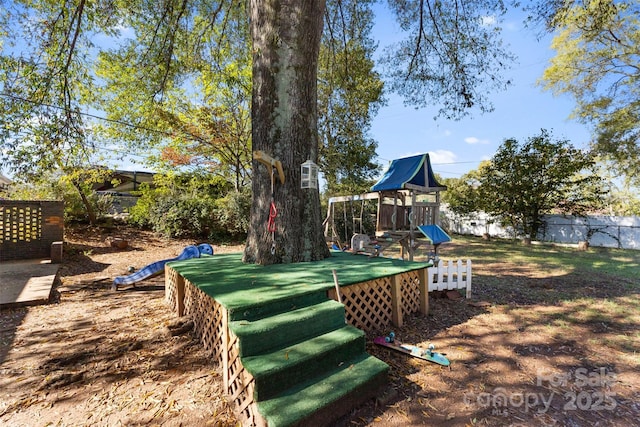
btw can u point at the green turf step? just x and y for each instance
(320, 400)
(270, 333)
(276, 371)
(258, 309)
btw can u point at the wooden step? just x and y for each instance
(274, 332)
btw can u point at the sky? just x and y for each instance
(456, 147)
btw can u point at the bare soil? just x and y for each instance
(520, 354)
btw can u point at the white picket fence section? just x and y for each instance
(450, 275)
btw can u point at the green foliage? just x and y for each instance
(192, 205)
(183, 216)
(596, 62)
(462, 193)
(350, 92)
(194, 110)
(524, 181)
(232, 214)
(55, 186)
(140, 213)
(45, 83)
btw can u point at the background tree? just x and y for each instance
(350, 92)
(451, 56)
(44, 85)
(524, 181)
(184, 79)
(623, 197)
(462, 195)
(597, 62)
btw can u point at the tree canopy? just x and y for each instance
(525, 180)
(597, 62)
(350, 92)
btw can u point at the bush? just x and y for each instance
(192, 206)
(140, 213)
(183, 216)
(232, 214)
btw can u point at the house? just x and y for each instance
(4, 184)
(128, 181)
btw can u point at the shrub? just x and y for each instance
(183, 216)
(232, 214)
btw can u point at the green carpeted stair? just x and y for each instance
(261, 335)
(309, 366)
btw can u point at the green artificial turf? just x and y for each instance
(238, 286)
(292, 326)
(299, 404)
(279, 370)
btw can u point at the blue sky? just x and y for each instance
(457, 147)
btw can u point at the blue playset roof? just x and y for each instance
(415, 170)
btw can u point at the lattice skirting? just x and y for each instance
(171, 278)
(210, 320)
(377, 303)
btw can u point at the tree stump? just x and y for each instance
(583, 245)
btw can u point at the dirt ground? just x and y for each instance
(100, 358)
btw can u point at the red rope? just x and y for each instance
(273, 213)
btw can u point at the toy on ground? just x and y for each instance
(157, 267)
(425, 354)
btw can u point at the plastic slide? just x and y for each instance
(157, 267)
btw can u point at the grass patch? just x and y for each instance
(508, 272)
(622, 263)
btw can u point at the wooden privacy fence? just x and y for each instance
(450, 275)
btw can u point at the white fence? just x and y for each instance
(602, 230)
(451, 275)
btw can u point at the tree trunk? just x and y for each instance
(286, 41)
(91, 213)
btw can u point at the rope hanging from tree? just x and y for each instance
(274, 166)
(273, 213)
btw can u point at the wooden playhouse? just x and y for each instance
(407, 213)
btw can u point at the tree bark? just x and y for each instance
(91, 213)
(286, 40)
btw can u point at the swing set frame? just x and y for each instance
(398, 215)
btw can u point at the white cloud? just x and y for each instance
(488, 21)
(442, 156)
(473, 140)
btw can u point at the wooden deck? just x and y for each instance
(26, 282)
(220, 292)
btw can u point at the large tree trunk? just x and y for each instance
(286, 41)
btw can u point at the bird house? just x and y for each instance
(309, 175)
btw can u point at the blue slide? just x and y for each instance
(158, 266)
